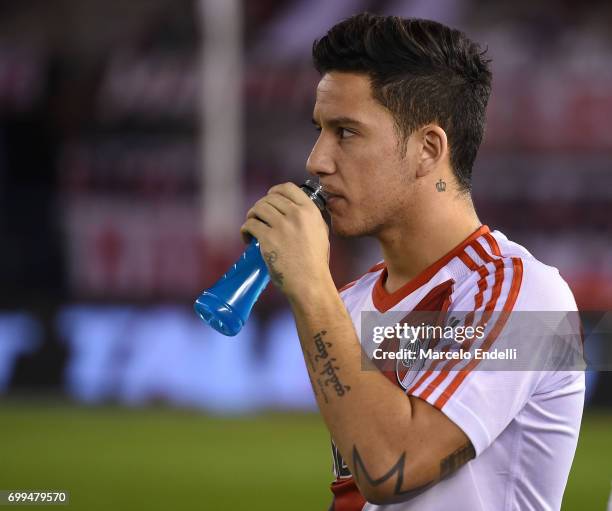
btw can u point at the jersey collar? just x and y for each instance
(384, 301)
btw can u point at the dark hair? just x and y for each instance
(422, 72)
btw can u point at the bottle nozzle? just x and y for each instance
(315, 191)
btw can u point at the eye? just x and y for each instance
(345, 133)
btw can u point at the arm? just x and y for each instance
(395, 445)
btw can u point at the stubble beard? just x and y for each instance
(355, 229)
(372, 223)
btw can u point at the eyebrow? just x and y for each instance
(334, 122)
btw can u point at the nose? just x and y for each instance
(320, 161)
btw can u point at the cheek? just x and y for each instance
(375, 152)
(372, 171)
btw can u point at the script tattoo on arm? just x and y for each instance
(311, 376)
(275, 276)
(448, 465)
(328, 376)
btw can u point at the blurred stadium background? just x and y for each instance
(133, 138)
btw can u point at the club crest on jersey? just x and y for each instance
(407, 368)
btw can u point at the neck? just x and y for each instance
(409, 247)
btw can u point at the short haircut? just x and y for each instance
(422, 72)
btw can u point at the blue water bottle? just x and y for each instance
(227, 305)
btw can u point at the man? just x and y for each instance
(400, 108)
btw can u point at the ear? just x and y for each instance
(434, 149)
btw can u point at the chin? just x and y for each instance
(347, 230)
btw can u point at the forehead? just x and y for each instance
(345, 94)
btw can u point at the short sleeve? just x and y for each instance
(481, 400)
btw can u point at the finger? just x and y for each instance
(265, 212)
(253, 228)
(292, 192)
(280, 202)
(246, 237)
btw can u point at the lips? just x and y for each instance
(332, 201)
(332, 193)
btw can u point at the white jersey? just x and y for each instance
(523, 424)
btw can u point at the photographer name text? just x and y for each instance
(431, 354)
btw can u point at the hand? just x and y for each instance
(293, 238)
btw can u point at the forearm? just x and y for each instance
(363, 410)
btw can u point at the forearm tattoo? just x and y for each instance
(323, 368)
(448, 465)
(315, 383)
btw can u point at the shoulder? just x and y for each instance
(543, 289)
(542, 286)
(511, 278)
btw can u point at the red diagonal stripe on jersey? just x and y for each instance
(482, 286)
(517, 266)
(497, 287)
(428, 373)
(499, 271)
(437, 302)
(482, 253)
(492, 243)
